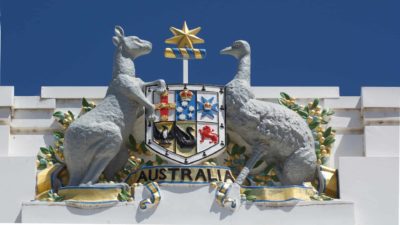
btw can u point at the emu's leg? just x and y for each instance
(117, 163)
(299, 167)
(255, 156)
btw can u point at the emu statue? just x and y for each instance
(96, 141)
(276, 134)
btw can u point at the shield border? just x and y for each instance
(198, 157)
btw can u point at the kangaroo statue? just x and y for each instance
(96, 141)
(276, 134)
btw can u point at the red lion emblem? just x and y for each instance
(207, 133)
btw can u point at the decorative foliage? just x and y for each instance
(125, 196)
(249, 196)
(54, 197)
(317, 119)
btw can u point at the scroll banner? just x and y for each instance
(155, 196)
(92, 196)
(181, 174)
(151, 176)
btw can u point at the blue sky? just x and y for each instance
(294, 43)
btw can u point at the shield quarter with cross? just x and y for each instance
(190, 123)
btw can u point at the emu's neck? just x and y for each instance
(122, 65)
(243, 71)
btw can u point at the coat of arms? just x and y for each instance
(190, 123)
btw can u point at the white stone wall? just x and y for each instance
(367, 137)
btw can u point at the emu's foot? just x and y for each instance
(228, 195)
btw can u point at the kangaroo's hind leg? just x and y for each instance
(117, 163)
(105, 150)
(299, 167)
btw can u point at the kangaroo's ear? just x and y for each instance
(115, 40)
(119, 31)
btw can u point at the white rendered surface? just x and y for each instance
(17, 176)
(194, 205)
(298, 92)
(380, 97)
(185, 71)
(6, 96)
(382, 141)
(4, 139)
(366, 126)
(5, 115)
(344, 102)
(73, 92)
(373, 184)
(33, 102)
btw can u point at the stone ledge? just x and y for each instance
(33, 102)
(264, 92)
(343, 102)
(193, 205)
(376, 202)
(6, 96)
(74, 92)
(380, 97)
(18, 180)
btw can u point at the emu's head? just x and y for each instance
(131, 46)
(238, 49)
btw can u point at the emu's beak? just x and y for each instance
(226, 50)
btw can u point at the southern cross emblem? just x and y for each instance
(207, 108)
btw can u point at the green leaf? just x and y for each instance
(42, 164)
(284, 95)
(257, 180)
(149, 163)
(132, 143)
(71, 114)
(258, 163)
(313, 125)
(247, 192)
(315, 103)
(44, 150)
(303, 114)
(85, 103)
(241, 150)
(281, 101)
(51, 149)
(275, 178)
(251, 197)
(159, 160)
(269, 168)
(327, 132)
(235, 149)
(58, 114)
(133, 163)
(329, 141)
(58, 135)
(143, 147)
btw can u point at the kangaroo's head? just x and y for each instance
(238, 49)
(131, 46)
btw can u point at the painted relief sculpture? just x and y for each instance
(186, 125)
(96, 141)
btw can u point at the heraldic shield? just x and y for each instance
(190, 123)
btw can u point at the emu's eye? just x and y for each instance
(236, 45)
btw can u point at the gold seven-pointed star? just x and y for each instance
(184, 37)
